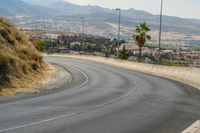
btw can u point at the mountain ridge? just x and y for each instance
(21, 8)
(60, 7)
(98, 19)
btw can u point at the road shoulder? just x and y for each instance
(194, 128)
(58, 77)
(189, 76)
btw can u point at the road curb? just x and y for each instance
(194, 128)
(175, 73)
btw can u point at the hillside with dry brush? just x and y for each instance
(21, 65)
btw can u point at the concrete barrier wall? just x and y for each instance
(187, 75)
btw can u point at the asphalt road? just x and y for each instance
(103, 99)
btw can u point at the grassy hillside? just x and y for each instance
(19, 60)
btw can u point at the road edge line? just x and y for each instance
(194, 128)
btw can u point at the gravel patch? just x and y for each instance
(60, 77)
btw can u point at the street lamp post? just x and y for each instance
(118, 9)
(160, 32)
(83, 27)
(45, 35)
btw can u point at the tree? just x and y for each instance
(124, 54)
(140, 36)
(39, 44)
(106, 50)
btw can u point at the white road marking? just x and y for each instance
(194, 128)
(36, 123)
(71, 114)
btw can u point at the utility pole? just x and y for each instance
(118, 9)
(45, 34)
(83, 28)
(160, 33)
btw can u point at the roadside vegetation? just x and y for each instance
(40, 44)
(137, 49)
(124, 54)
(140, 36)
(20, 63)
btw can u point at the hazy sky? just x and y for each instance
(181, 8)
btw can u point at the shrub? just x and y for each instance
(124, 54)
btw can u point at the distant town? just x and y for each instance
(170, 36)
(79, 43)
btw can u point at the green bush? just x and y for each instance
(171, 63)
(40, 45)
(124, 54)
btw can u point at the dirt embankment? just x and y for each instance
(29, 83)
(21, 65)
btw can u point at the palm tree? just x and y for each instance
(140, 36)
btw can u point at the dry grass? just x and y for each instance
(21, 65)
(30, 83)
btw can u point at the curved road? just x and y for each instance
(103, 99)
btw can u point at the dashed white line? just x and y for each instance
(71, 114)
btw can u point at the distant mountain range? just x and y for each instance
(21, 8)
(41, 2)
(60, 9)
(51, 8)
